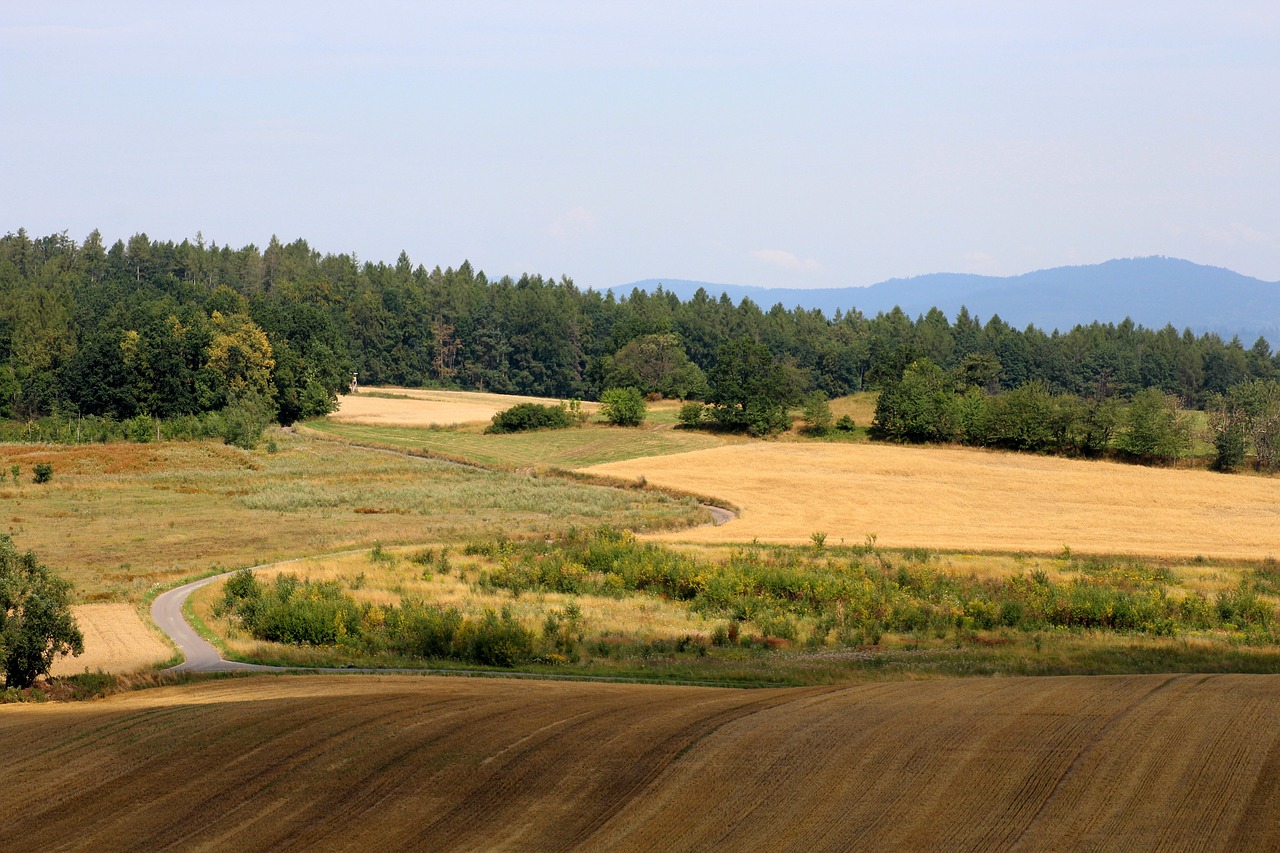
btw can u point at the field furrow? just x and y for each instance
(331, 762)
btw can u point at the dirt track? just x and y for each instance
(1172, 762)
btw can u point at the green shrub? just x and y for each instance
(43, 472)
(691, 413)
(530, 416)
(817, 414)
(623, 407)
(244, 418)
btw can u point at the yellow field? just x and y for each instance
(1168, 762)
(970, 500)
(415, 407)
(115, 640)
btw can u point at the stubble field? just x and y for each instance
(1168, 762)
(969, 500)
(417, 407)
(116, 640)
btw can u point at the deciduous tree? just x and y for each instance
(36, 624)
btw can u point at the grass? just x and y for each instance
(665, 635)
(120, 518)
(592, 444)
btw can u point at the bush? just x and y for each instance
(244, 418)
(530, 416)
(1154, 428)
(691, 414)
(817, 414)
(623, 407)
(43, 472)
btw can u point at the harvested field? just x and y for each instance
(970, 500)
(1170, 762)
(414, 407)
(115, 640)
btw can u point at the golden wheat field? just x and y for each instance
(115, 640)
(970, 500)
(334, 762)
(416, 407)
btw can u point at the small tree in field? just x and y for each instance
(749, 390)
(1153, 428)
(817, 414)
(36, 624)
(623, 407)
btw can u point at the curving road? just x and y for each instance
(200, 655)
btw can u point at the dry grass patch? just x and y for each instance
(1175, 762)
(970, 500)
(118, 518)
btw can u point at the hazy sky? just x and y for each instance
(779, 144)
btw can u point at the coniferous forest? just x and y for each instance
(175, 330)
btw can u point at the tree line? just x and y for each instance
(147, 328)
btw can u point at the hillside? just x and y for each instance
(1175, 762)
(1151, 291)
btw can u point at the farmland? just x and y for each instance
(397, 762)
(869, 745)
(414, 407)
(451, 425)
(970, 500)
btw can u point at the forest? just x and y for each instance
(169, 330)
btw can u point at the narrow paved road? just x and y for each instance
(200, 655)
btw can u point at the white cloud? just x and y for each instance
(786, 260)
(575, 223)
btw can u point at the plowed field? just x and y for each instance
(970, 500)
(1173, 762)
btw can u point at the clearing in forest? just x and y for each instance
(970, 500)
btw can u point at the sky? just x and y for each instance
(780, 144)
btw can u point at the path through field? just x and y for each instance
(1170, 762)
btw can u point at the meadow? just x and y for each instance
(117, 519)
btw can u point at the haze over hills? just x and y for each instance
(1153, 292)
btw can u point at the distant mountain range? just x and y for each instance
(1152, 291)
